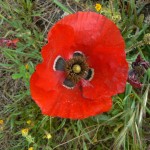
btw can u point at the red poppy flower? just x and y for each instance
(84, 65)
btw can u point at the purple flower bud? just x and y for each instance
(139, 68)
(133, 79)
(140, 62)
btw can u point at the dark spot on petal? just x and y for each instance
(78, 53)
(90, 74)
(68, 84)
(59, 64)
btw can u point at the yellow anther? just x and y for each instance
(76, 68)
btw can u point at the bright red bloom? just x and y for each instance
(84, 65)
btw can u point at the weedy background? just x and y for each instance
(23, 127)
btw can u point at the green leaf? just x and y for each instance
(16, 76)
(102, 117)
(148, 73)
(64, 8)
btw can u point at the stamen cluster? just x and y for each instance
(73, 75)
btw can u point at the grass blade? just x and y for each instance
(64, 8)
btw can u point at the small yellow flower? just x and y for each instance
(27, 66)
(1, 122)
(30, 148)
(28, 122)
(25, 131)
(48, 136)
(98, 7)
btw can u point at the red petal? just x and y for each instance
(57, 45)
(110, 72)
(86, 26)
(40, 95)
(92, 29)
(61, 40)
(67, 103)
(47, 78)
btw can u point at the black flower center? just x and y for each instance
(75, 69)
